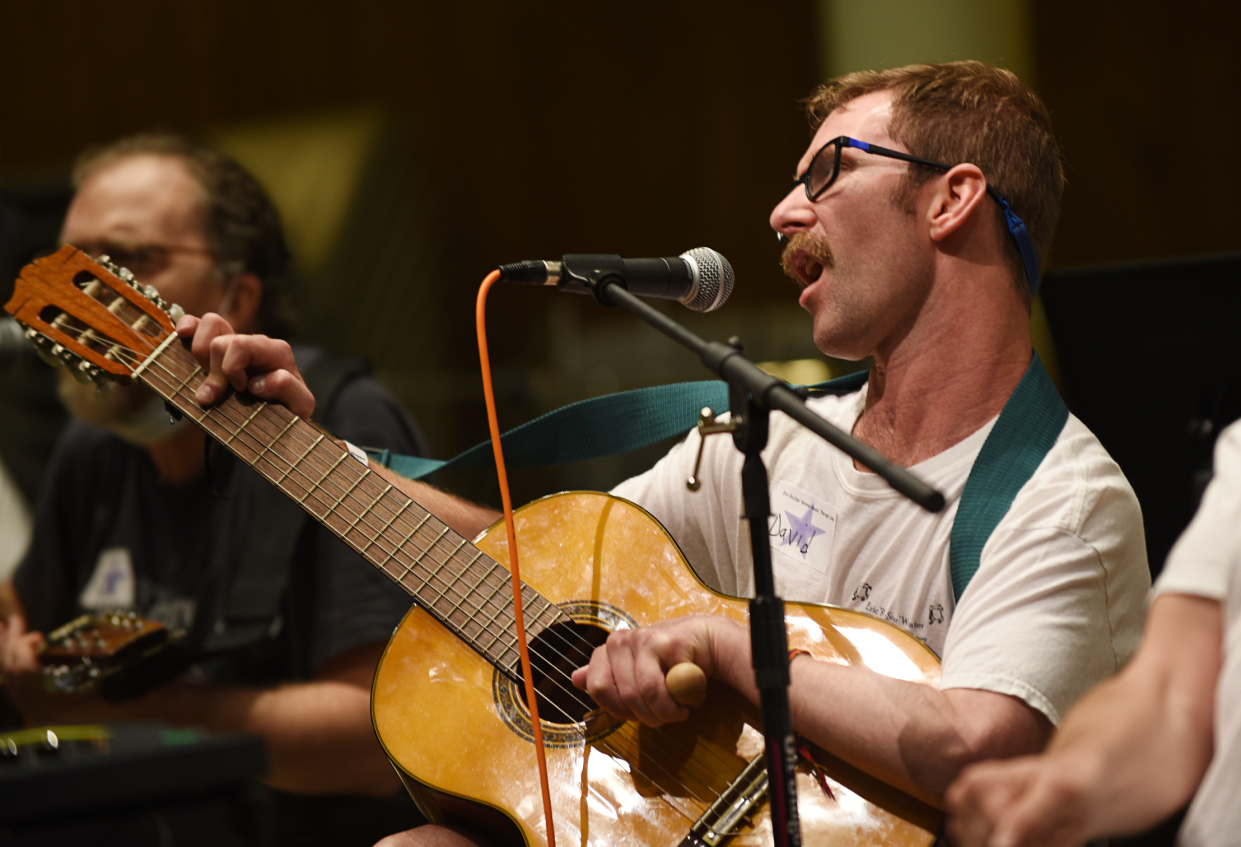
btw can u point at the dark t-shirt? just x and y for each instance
(109, 534)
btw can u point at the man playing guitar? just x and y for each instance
(904, 238)
(130, 518)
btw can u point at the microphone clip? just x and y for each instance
(580, 271)
(596, 273)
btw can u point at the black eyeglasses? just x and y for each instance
(825, 167)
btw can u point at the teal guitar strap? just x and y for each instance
(1027, 428)
(598, 427)
(617, 423)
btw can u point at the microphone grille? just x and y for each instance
(713, 277)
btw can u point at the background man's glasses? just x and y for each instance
(142, 260)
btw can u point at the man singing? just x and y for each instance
(920, 213)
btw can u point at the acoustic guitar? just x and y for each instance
(80, 655)
(447, 702)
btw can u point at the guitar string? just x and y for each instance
(556, 679)
(554, 675)
(316, 497)
(340, 500)
(562, 681)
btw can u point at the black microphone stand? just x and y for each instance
(752, 394)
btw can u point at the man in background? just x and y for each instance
(134, 513)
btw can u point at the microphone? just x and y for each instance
(700, 278)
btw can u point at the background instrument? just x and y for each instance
(80, 654)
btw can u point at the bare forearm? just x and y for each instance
(318, 734)
(910, 735)
(1131, 752)
(1143, 740)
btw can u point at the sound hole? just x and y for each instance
(554, 655)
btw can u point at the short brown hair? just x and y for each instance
(969, 112)
(243, 225)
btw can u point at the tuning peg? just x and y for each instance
(87, 372)
(42, 346)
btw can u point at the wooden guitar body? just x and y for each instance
(458, 729)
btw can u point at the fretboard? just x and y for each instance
(466, 590)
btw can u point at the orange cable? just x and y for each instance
(480, 316)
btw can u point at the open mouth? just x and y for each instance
(805, 258)
(810, 269)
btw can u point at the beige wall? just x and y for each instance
(869, 34)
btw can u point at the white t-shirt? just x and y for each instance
(1206, 562)
(1057, 603)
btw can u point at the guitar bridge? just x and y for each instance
(720, 821)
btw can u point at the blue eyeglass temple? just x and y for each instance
(1025, 245)
(1016, 228)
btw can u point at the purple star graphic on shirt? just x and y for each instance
(801, 531)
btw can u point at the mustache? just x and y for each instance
(803, 249)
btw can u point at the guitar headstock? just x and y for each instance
(78, 655)
(91, 316)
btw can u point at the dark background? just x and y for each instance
(509, 131)
(513, 131)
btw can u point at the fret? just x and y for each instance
(387, 524)
(511, 646)
(501, 584)
(272, 443)
(366, 511)
(434, 571)
(496, 610)
(527, 618)
(450, 583)
(464, 572)
(246, 423)
(181, 386)
(469, 590)
(319, 482)
(551, 609)
(293, 465)
(342, 497)
(414, 558)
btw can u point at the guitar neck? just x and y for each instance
(466, 590)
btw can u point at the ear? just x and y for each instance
(247, 296)
(956, 199)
